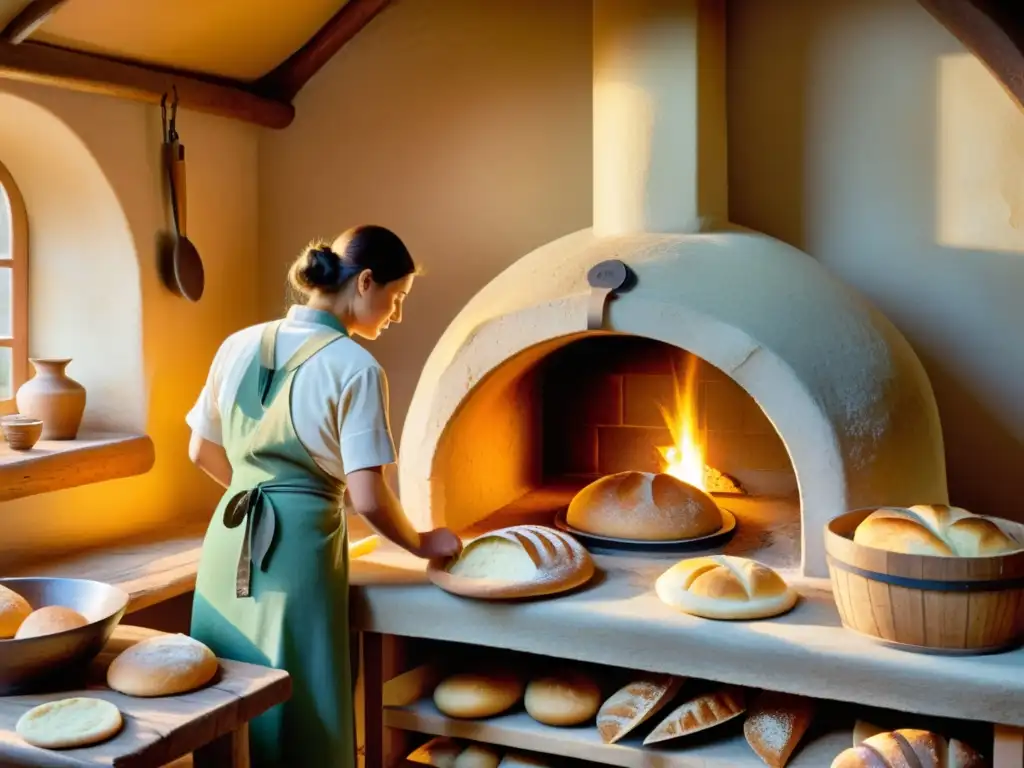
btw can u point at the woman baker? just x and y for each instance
(294, 414)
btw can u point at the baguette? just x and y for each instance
(516, 562)
(634, 703)
(906, 748)
(699, 714)
(933, 529)
(775, 724)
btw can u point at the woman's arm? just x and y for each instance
(211, 458)
(373, 499)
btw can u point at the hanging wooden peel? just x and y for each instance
(181, 267)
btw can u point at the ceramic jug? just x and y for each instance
(54, 398)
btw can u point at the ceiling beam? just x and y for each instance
(29, 19)
(993, 30)
(50, 65)
(288, 78)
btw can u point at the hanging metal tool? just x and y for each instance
(180, 264)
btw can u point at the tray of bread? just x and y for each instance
(649, 512)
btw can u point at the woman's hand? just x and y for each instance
(440, 542)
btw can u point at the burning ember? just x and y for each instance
(684, 459)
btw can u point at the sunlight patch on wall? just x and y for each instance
(980, 163)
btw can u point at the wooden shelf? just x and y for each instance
(520, 731)
(53, 465)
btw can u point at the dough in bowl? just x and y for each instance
(49, 620)
(162, 666)
(14, 609)
(68, 723)
(933, 529)
(725, 587)
(644, 506)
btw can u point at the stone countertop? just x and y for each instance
(618, 620)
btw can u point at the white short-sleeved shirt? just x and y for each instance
(339, 396)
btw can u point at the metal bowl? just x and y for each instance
(32, 662)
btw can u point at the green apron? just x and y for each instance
(272, 587)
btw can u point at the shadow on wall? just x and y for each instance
(882, 148)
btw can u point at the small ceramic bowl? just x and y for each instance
(21, 433)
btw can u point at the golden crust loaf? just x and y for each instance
(162, 666)
(775, 724)
(49, 620)
(563, 699)
(933, 529)
(644, 506)
(700, 713)
(516, 562)
(14, 609)
(634, 703)
(887, 750)
(725, 587)
(478, 694)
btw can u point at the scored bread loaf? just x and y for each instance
(49, 620)
(563, 699)
(634, 703)
(725, 587)
(439, 752)
(644, 506)
(164, 665)
(933, 529)
(700, 713)
(470, 695)
(774, 725)
(515, 562)
(909, 747)
(14, 609)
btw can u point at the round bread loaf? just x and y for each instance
(14, 609)
(894, 748)
(477, 756)
(478, 694)
(516, 562)
(49, 620)
(933, 529)
(644, 506)
(162, 666)
(564, 699)
(725, 587)
(69, 723)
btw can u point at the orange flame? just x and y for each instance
(685, 458)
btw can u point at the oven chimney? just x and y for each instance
(660, 156)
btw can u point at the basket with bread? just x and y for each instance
(930, 578)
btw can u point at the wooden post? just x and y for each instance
(230, 751)
(1008, 749)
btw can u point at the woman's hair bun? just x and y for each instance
(321, 269)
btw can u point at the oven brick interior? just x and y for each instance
(601, 412)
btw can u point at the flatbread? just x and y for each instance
(68, 723)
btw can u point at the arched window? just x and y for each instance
(13, 291)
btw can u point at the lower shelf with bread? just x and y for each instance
(507, 703)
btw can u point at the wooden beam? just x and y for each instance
(50, 65)
(993, 30)
(29, 19)
(288, 78)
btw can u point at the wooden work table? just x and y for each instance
(212, 722)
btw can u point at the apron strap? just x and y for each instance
(310, 347)
(268, 345)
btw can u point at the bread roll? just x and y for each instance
(894, 749)
(567, 698)
(725, 587)
(644, 506)
(439, 752)
(69, 723)
(634, 703)
(699, 714)
(521, 561)
(477, 756)
(775, 724)
(49, 620)
(162, 666)
(478, 694)
(14, 609)
(522, 760)
(933, 529)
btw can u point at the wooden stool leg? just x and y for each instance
(229, 751)
(1008, 751)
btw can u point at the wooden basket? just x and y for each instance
(925, 603)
